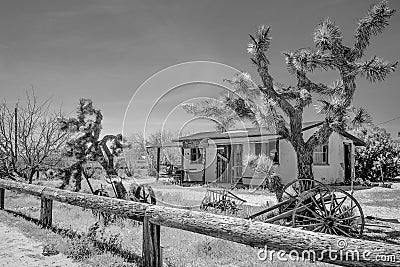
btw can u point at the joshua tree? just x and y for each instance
(86, 144)
(280, 108)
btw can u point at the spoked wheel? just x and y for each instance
(145, 194)
(330, 211)
(295, 188)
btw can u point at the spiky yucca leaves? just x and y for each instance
(263, 110)
(372, 24)
(238, 105)
(375, 69)
(341, 118)
(358, 117)
(327, 36)
(215, 110)
(307, 60)
(263, 166)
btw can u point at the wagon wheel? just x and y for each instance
(206, 202)
(145, 194)
(330, 211)
(295, 188)
(227, 206)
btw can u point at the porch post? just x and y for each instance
(204, 165)
(158, 162)
(230, 163)
(2, 193)
(182, 172)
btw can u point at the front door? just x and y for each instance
(237, 164)
(347, 162)
(223, 159)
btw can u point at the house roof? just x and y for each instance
(166, 144)
(247, 132)
(257, 131)
(356, 141)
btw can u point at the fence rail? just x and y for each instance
(356, 252)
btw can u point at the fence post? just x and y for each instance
(2, 193)
(46, 211)
(151, 250)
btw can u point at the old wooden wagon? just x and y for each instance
(311, 205)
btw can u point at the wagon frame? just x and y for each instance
(314, 206)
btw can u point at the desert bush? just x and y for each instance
(81, 248)
(380, 152)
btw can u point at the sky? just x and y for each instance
(140, 60)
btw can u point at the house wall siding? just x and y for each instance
(287, 168)
(194, 171)
(332, 172)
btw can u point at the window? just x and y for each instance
(321, 155)
(270, 148)
(195, 155)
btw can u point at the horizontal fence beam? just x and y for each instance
(350, 252)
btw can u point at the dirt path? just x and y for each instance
(18, 250)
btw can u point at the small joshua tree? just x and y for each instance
(86, 145)
(263, 166)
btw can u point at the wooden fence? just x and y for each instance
(356, 252)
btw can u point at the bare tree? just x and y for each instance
(138, 144)
(30, 137)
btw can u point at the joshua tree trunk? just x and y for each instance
(76, 170)
(31, 174)
(78, 177)
(305, 164)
